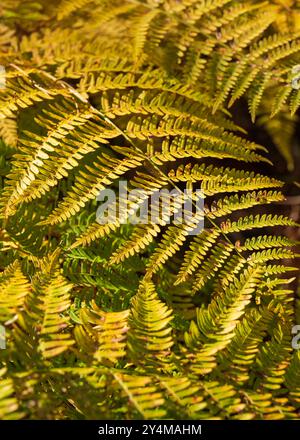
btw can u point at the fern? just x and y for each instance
(156, 319)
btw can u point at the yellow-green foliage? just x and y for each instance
(146, 321)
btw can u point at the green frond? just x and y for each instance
(149, 228)
(149, 332)
(143, 394)
(102, 334)
(266, 407)
(230, 204)
(173, 238)
(241, 353)
(8, 131)
(67, 7)
(273, 359)
(197, 253)
(215, 326)
(8, 402)
(90, 181)
(259, 221)
(292, 378)
(13, 292)
(266, 241)
(220, 253)
(44, 323)
(22, 92)
(282, 130)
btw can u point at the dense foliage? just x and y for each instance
(146, 320)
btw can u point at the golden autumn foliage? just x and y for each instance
(145, 320)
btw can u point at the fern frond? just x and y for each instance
(13, 291)
(102, 333)
(196, 253)
(150, 331)
(8, 131)
(22, 92)
(248, 339)
(43, 321)
(259, 221)
(292, 378)
(90, 182)
(67, 7)
(8, 401)
(143, 394)
(273, 360)
(174, 298)
(215, 325)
